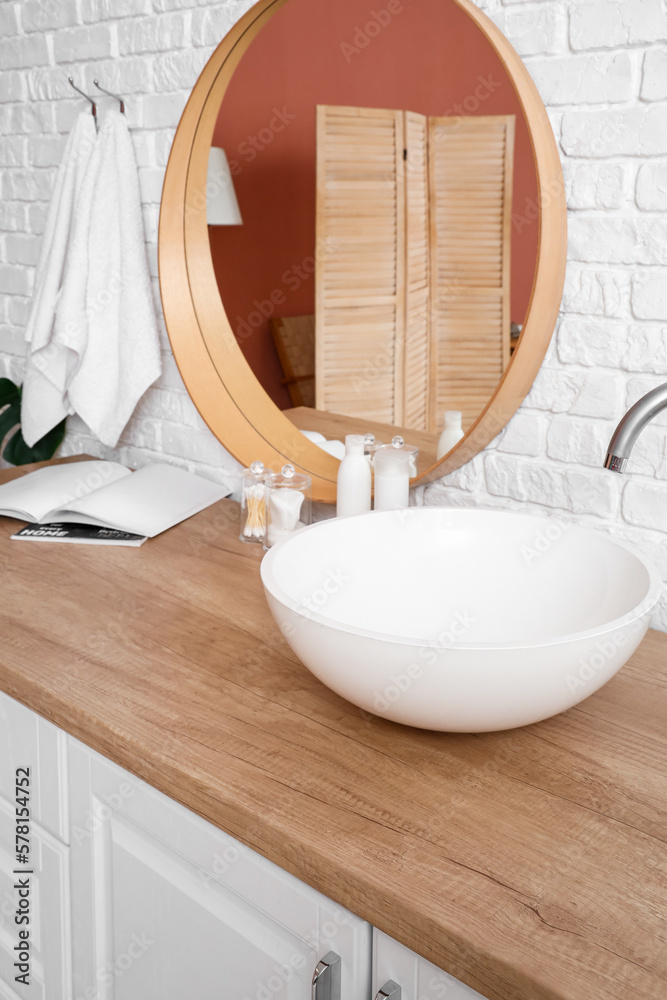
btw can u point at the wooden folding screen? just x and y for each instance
(470, 197)
(360, 280)
(416, 365)
(412, 280)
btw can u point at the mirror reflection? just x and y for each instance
(373, 218)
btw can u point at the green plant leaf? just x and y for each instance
(19, 453)
(12, 450)
(9, 391)
(9, 418)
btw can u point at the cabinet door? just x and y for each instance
(418, 979)
(28, 740)
(166, 905)
(49, 944)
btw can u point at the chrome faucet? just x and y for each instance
(631, 426)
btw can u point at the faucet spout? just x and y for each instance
(631, 426)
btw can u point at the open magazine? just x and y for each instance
(109, 495)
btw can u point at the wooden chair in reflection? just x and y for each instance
(294, 337)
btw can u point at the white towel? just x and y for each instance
(48, 363)
(122, 354)
(70, 327)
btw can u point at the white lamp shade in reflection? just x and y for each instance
(222, 208)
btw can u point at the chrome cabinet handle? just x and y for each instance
(390, 991)
(326, 978)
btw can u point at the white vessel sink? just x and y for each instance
(459, 620)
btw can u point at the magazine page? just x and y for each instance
(34, 496)
(147, 502)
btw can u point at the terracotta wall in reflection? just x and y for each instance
(418, 55)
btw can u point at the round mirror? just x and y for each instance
(362, 228)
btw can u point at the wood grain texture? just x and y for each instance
(471, 171)
(417, 354)
(412, 281)
(532, 865)
(224, 389)
(372, 273)
(360, 263)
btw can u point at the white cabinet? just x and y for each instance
(166, 905)
(417, 978)
(29, 742)
(134, 897)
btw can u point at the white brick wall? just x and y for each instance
(601, 68)
(152, 53)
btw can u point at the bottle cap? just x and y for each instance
(354, 444)
(392, 461)
(452, 419)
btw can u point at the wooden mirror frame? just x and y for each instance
(219, 380)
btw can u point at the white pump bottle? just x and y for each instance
(354, 479)
(452, 432)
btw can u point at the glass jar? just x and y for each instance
(373, 447)
(289, 504)
(253, 504)
(411, 450)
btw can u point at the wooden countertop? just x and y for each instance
(531, 864)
